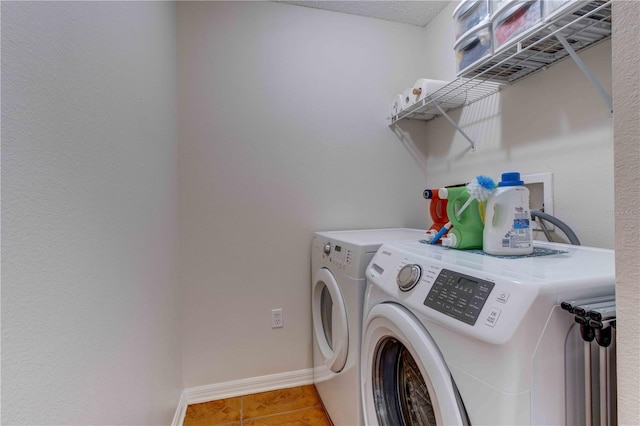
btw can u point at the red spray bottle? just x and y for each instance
(437, 211)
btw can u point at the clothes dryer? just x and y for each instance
(454, 337)
(338, 261)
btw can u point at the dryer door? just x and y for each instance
(330, 320)
(405, 379)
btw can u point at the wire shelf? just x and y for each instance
(587, 24)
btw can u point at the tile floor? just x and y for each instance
(299, 406)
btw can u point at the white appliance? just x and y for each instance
(338, 261)
(455, 337)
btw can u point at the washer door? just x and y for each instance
(330, 320)
(405, 379)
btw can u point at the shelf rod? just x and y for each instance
(585, 70)
(454, 124)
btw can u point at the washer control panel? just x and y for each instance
(459, 296)
(341, 256)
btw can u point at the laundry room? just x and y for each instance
(165, 166)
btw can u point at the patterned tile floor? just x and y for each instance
(299, 406)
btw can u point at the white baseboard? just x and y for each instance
(198, 394)
(181, 411)
(251, 385)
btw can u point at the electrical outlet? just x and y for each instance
(277, 321)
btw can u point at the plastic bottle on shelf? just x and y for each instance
(466, 232)
(507, 227)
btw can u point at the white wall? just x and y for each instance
(627, 155)
(282, 133)
(554, 121)
(90, 320)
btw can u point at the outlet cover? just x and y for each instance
(277, 320)
(540, 194)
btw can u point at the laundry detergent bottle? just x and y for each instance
(466, 232)
(437, 211)
(507, 223)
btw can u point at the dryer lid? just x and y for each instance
(330, 321)
(405, 379)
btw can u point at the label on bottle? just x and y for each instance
(519, 236)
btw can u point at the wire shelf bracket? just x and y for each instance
(585, 70)
(454, 124)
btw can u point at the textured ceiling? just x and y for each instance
(409, 12)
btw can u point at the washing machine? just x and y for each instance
(338, 261)
(452, 337)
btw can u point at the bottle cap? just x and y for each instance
(449, 240)
(511, 179)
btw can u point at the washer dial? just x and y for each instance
(327, 248)
(409, 276)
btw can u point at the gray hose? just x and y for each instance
(573, 239)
